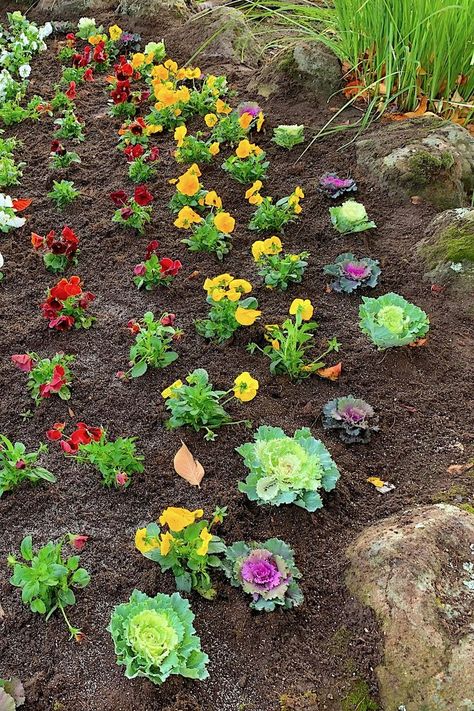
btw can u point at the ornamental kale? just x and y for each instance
(350, 217)
(390, 320)
(351, 273)
(333, 186)
(187, 547)
(12, 694)
(267, 571)
(46, 579)
(354, 418)
(285, 470)
(17, 466)
(288, 136)
(154, 638)
(46, 376)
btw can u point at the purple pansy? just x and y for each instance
(249, 107)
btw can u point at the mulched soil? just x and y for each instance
(422, 396)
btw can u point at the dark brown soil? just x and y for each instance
(422, 396)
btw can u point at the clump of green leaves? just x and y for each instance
(228, 129)
(154, 638)
(390, 320)
(153, 341)
(185, 546)
(63, 193)
(270, 216)
(70, 127)
(17, 465)
(278, 270)
(247, 170)
(116, 460)
(206, 237)
(47, 579)
(288, 136)
(194, 150)
(10, 172)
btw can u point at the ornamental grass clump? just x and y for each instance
(354, 419)
(289, 343)
(350, 217)
(351, 273)
(266, 571)
(228, 310)
(201, 407)
(154, 638)
(278, 270)
(286, 470)
(47, 579)
(17, 465)
(182, 543)
(390, 320)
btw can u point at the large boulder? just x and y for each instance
(426, 157)
(413, 569)
(166, 10)
(447, 249)
(224, 34)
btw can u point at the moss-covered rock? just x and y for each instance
(427, 157)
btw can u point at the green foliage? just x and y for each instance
(116, 460)
(63, 193)
(139, 171)
(11, 112)
(70, 127)
(281, 270)
(47, 579)
(154, 638)
(247, 170)
(285, 470)
(221, 323)
(64, 161)
(273, 217)
(152, 347)
(228, 130)
(288, 136)
(194, 150)
(390, 321)
(205, 237)
(359, 699)
(17, 466)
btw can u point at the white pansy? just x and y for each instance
(24, 71)
(5, 200)
(2, 261)
(45, 30)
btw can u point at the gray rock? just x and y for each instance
(410, 569)
(317, 68)
(427, 157)
(224, 34)
(159, 10)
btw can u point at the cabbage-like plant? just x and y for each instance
(154, 637)
(333, 186)
(354, 418)
(286, 470)
(288, 136)
(350, 273)
(390, 320)
(266, 571)
(349, 217)
(12, 694)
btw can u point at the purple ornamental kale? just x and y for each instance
(249, 107)
(354, 418)
(333, 186)
(129, 41)
(266, 571)
(351, 273)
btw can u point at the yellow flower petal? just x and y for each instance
(144, 543)
(168, 392)
(246, 317)
(245, 387)
(302, 306)
(177, 518)
(206, 538)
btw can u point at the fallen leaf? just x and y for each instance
(382, 486)
(419, 343)
(416, 200)
(19, 205)
(187, 467)
(437, 288)
(71, 412)
(327, 289)
(460, 468)
(410, 408)
(194, 274)
(2, 613)
(421, 109)
(331, 373)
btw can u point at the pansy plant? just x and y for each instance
(17, 465)
(207, 234)
(9, 209)
(351, 273)
(134, 212)
(248, 164)
(390, 320)
(197, 405)
(66, 305)
(353, 418)
(270, 216)
(59, 250)
(266, 571)
(46, 376)
(351, 217)
(153, 271)
(228, 310)
(286, 470)
(153, 343)
(154, 638)
(182, 542)
(277, 269)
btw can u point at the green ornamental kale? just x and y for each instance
(285, 470)
(350, 217)
(154, 637)
(390, 320)
(266, 571)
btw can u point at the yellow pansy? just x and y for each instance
(222, 107)
(257, 185)
(210, 120)
(152, 128)
(297, 208)
(224, 222)
(214, 148)
(176, 518)
(298, 192)
(275, 344)
(145, 543)
(217, 294)
(245, 387)
(166, 97)
(165, 543)
(137, 60)
(212, 199)
(244, 149)
(258, 249)
(246, 317)
(242, 285)
(183, 94)
(260, 120)
(206, 538)
(255, 199)
(194, 169)
(171, 65)
(186, 217)
(179, 134)
(95, 39)
(160, 72)
(245, 120)
(272, 245)
(192, 72)
(233, 295)
(211, 80)
(304, 307)
(168, 392)
(115, 32)
(188, 184)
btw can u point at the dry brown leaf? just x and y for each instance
(416, 200)
(460, 468)
(2, 613)
(331, 373)
(71, 412)
(187, 467)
